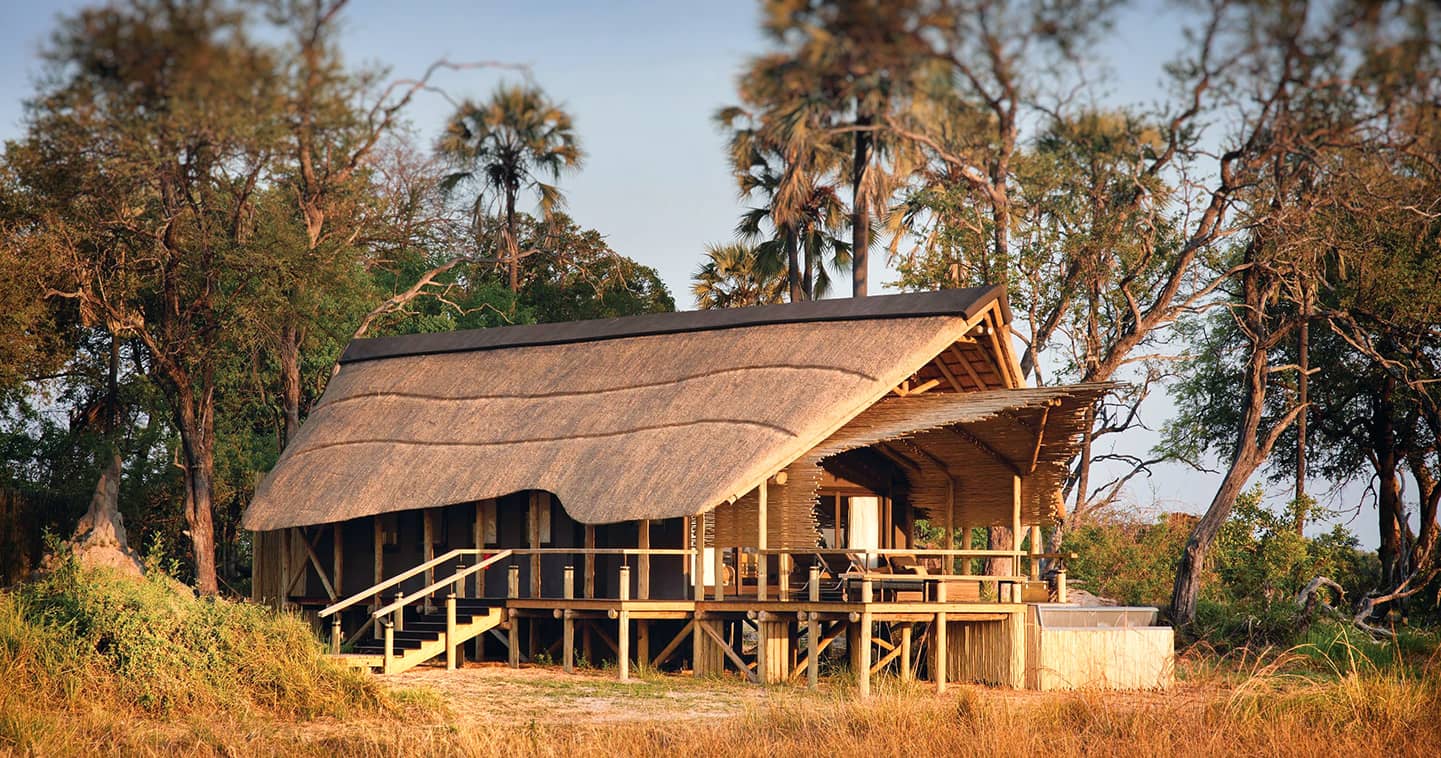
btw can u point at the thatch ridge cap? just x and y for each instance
(965, 302)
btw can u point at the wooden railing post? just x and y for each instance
(1061, 586)
(458, 588)
(568, 624)
(450, 646)
(813, 668)
(400, 612)
(335, 634)
(512, 591)
(623, 638)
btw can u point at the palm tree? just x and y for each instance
(737, 275)
(511, 143)
(804, 211)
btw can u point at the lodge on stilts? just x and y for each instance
(712, 491)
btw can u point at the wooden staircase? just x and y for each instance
(424, 636)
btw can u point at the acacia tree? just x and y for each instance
(505, 146)
(142, 157)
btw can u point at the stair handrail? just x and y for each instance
(374, 590)
(442, 583)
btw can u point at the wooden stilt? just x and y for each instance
(942, 649)
(512, 591)
(428, 527)
(623, 640)
(377, 530)
(720, 564)
(863, 675)
(906, 652)
(568, 624)
(642, 644)
(450, 645)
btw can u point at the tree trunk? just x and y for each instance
(998, 538)
(1303, 354)
(808, 287)
(793, 265)
(196, 422)
(1188, 572)
(288, 353)
(512, 244)
(860, 213)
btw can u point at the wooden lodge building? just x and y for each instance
(714, 491)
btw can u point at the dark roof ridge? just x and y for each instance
(966, 302)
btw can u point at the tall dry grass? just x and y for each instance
(69, 686)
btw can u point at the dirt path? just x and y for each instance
(546, 694)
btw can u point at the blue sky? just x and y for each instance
(642, 80)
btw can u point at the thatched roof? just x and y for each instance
(645, 417)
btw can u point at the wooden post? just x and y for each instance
(1015, 523)
(512, 591)
(783, 582)
(589, 569)
(966, 564)
(450, 645)
(428, 524)
(863, 677)
(950, 520)
(643, 588)
(1035, 564)
(623, 634)
(285, 569)
(400, 612)
(720, 563)
(389, 659)
(536, 500)
(813, 651)
(906, 652)
(1061, 586)
(379, 573)
(337, 562)
(762, 568)
(685, 543)
(568, 624)
(335, 634)
(479, 538)
(642, 644)
(942, 650)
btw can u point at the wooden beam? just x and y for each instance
(896, 456)
(736, 660)
(980, 444)
(315, 561)
(1040, 437)
(948, 374)
(933, 458)
(950, 516)
(674, 645)
(966, 366)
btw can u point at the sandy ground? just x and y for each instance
(546, 694)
